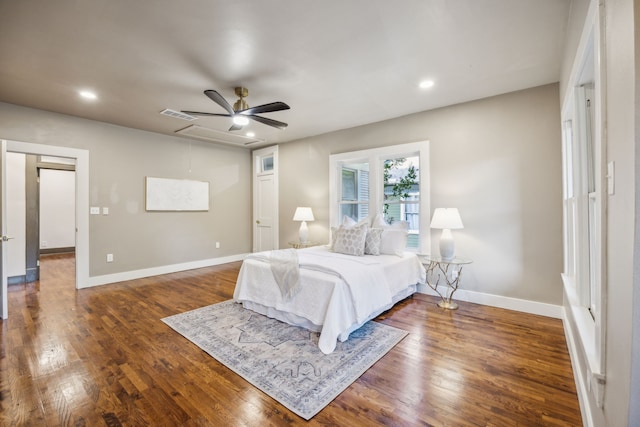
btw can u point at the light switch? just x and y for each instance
(94, 210)
(611, 173)
(105, 211)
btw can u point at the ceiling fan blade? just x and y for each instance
(198, 113)
(270, 122)
(219, 99)
(235, 127)
(266, 108)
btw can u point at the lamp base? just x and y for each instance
(304, 232)
(447, 245)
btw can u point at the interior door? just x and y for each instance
(3, 227)
(265, 199)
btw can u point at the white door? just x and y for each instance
(265, 199)
(3, 227)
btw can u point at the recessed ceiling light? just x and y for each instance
(86, 94)
(251, 134)
(425, 84)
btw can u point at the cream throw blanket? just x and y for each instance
(286, 271)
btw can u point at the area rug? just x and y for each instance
(284, 361)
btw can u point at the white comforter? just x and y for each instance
(336, 294)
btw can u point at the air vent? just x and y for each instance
(177, 115)
(213, 135)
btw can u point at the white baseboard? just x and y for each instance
(156, 271)
(516, 304)
(525, 306)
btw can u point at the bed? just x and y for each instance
(337, 293)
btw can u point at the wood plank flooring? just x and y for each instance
(102, 357)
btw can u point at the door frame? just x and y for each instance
(258, 170)
(4, 312)
(82, 200)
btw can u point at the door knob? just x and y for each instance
(257, 221)
(6, 238)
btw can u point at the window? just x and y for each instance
(583, 206)
(354, 199)
(392, 181)
(402, 194)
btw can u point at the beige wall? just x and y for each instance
(120, 158)
(498, 160)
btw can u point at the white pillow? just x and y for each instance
(350, 240)
(372, 241)
(379, 222)
(347, 221)
(394, 236)
(393, 242)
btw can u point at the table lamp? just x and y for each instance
(446, 219)
(303, 214)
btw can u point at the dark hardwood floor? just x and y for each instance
(102, 357)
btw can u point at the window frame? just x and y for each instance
(584, 208)
(375, 157)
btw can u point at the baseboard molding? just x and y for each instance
(525, 306)
(533, 307)
(156, 271)
(49, 251)
(16, 280)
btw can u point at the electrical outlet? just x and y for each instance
(94, 210)
(109, 257)
(44, 244)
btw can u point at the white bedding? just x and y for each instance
(338, 293)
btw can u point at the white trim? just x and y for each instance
(4, 313)
(82, 198)
(165, 269)
(586, 337)
(581, 387)
(516, 304)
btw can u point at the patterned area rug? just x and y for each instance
(284, 361)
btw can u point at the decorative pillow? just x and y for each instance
(394, 236)
(347, 221)
(393, 242)
(350, 240)
(379, 222)
(334, 235)
(372, 241)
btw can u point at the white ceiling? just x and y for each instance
(337, 63)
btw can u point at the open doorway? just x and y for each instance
(81, 207)
(40, 213)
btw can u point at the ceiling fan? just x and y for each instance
(241, 112)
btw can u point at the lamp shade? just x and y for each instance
(446, 218)
(303, 214)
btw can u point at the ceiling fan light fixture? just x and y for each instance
(240, 120)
